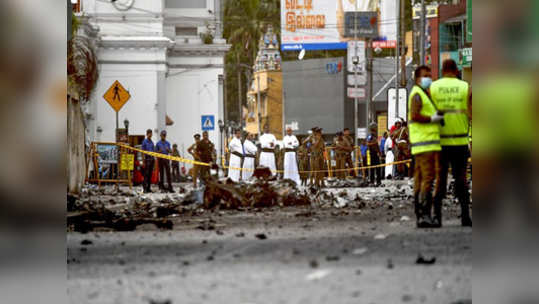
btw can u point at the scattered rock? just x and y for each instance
(240, 234)
(380, 236)
(390, 264)
(425, 261)
(407, 298)
(313, 264)
(152, 301)
(359, 251)
(261, 236)
(318, 274)
(332, 258)
(405, 218)
(86, 242)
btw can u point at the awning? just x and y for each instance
(456, 19)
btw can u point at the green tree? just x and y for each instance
(244, 22)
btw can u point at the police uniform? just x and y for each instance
(206, 150)
(450, 96)
(317, 157)
(348, 162)
(303, 162)
(341, 151)
(196, 156)
(425, 147)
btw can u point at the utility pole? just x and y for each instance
(259, 103)
(397, 47)
(368, 55)
(239, 87)
(422, 36)
(356, 105)
(403, 44)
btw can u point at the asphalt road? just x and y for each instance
(309, 255)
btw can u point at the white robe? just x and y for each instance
(248, 162)
(235, 161)
(267, 159)
(390, 157)
(290, 161)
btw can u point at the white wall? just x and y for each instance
(140, 110)
(190, 95)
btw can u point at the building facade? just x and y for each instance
(169, 56)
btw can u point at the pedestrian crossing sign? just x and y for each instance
(208, 122)
(117, 96)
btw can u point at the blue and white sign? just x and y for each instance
(208, 122)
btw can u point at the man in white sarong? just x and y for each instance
(267, 155)
(390, 157)
(250, 149)
(290, 162)
(236, 154)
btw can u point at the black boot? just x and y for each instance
(437, 219)
(465, 219)
(423, 213)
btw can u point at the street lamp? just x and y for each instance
(221, 129)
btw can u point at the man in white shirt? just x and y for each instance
(267, 155)
(290, 143)
(390, 157)
(236, 154)
(250, 150)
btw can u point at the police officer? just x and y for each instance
(341, 151)
(348, 159)
(194, 152)
(163, 147)
(425, 143)
(317, 149)
(175, 164)
(453, 98)
(206, 150)
(147, 145)
(375, 155)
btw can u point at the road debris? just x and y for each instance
(261, 236)
(318, 274)
(359, 251)
(425, 261)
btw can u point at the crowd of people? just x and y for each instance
(435, 137)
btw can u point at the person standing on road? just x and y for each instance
(267, 153)
(374, 151)
(349, 141)
(163, 147)
(175, 164)
(425, 141)
(250, 149)
(290, 165)
(389, 158)
(317, 147)
(453, 98)
(206, 150)
(236, 155)
(149, 161)
(341, 150)
(193, 151)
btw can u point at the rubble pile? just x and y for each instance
(123, 209)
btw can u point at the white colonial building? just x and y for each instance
(169, 55)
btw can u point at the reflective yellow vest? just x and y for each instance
(450, 96)
(424, 137)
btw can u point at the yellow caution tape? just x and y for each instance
(194, 162)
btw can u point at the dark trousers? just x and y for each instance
(148, 169)
(164, 168)
(175, 171)
(457, 158)
(375, 160)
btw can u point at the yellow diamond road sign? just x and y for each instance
(117, 96)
